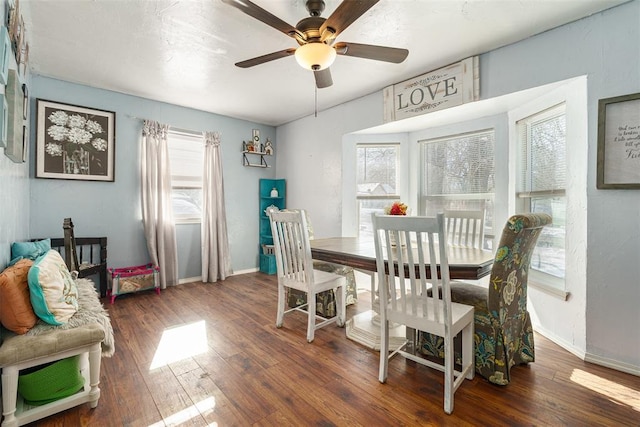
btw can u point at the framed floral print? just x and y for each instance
(74, 142)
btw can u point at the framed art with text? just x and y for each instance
(74, 142)
(619, 142)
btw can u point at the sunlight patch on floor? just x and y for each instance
(179, 343)
(610, 389)
(186, 414)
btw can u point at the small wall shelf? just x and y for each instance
(248, 155)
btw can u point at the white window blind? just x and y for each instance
(541, 188)
(458, 172)
(542, 155)
(186, 151)
(376, 181)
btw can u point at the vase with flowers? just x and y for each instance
(74, 137)
(397, 208)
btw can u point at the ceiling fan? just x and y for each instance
(316, 37)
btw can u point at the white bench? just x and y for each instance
(86, 336)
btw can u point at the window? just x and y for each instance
(458, 173)
(541, 187)
(376, 181)
(186, 153)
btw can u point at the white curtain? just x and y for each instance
(157, 213)
(216, 262)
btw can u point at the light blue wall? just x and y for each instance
(14, 205)
(112, 209)
(605, 47)
(14, 192)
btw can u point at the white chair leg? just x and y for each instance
(9, 396)
(448, 374)
(281, 298)
(384, 350)
(468, 351)
(311, 310)
(94, 374)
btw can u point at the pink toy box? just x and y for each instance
(128, 280)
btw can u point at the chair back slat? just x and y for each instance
(70, 253)
(413, 286)
(292, 248)
(465, 228)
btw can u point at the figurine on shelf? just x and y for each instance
(268, 148)
(250, 146)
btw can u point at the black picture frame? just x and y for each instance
(74, 142)
(618, 164)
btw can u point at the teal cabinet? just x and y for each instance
(273, 192)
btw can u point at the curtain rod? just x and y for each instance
(187, 132)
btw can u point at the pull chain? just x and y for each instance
(316, 100)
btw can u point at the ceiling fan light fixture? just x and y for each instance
(315, 56)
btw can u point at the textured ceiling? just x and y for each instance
(183, 51)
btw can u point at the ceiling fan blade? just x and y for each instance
(262, 15)
(265, 58)
(323, 78)
(368, 51)
(344, 15)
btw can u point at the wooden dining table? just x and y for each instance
(360, 253)
(464, 263)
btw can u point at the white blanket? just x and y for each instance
(90, 310)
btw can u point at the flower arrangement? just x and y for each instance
(397, 208)
(74, 135)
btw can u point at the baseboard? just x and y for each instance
(613, 364)
(249, 270)
(561, 342)
(588, 357)
(199, 278)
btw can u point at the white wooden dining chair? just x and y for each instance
(295, 270)
(465, 228)
(407, 298)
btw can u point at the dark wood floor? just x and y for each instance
(248, 373)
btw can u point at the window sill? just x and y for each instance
(551, 290)
(179, 221)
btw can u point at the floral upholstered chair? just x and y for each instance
(503, 331)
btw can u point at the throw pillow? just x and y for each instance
(29, 250)
(54, 295)
(16, 313)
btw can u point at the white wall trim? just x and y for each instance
(576, 351)
(248, 270)
(613, 364)
(235, 273)
(588, 357)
